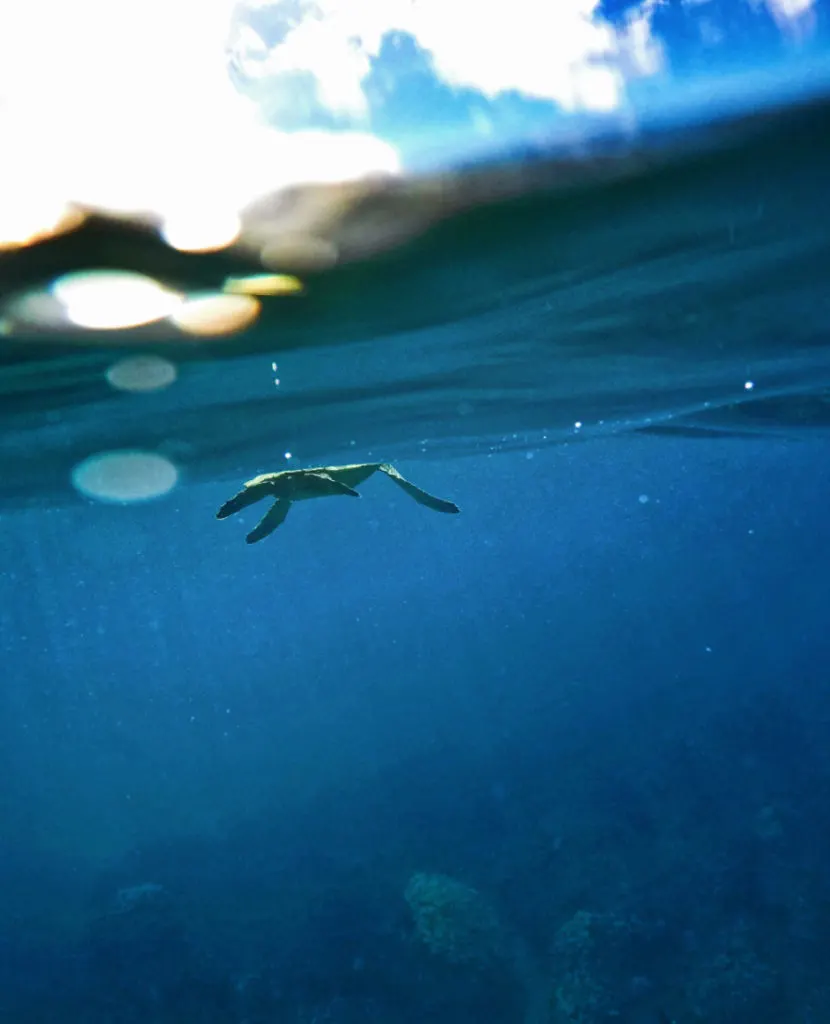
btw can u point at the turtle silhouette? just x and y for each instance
(292, 485)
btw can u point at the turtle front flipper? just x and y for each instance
(419, 495)
(273, 518)
(253, 491)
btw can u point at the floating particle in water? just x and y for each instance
(216, 314)
(201, 230)
(263, 284)
(106, 300)
(644, 499)
(142, 373)
(125, 476)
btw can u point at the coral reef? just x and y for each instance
(733, 981)
(454, 920)
(457, 923)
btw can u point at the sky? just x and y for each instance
(193, 108)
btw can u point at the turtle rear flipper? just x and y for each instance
(273, 518)
(419, 495)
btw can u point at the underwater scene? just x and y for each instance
(536, 731)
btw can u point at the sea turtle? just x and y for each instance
(299, 484)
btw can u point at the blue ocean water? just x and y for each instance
(559, 758)
(597, 698)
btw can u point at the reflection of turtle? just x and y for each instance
(299, 484)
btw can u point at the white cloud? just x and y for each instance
(797, 18)
(129, 106)
(556, 51)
